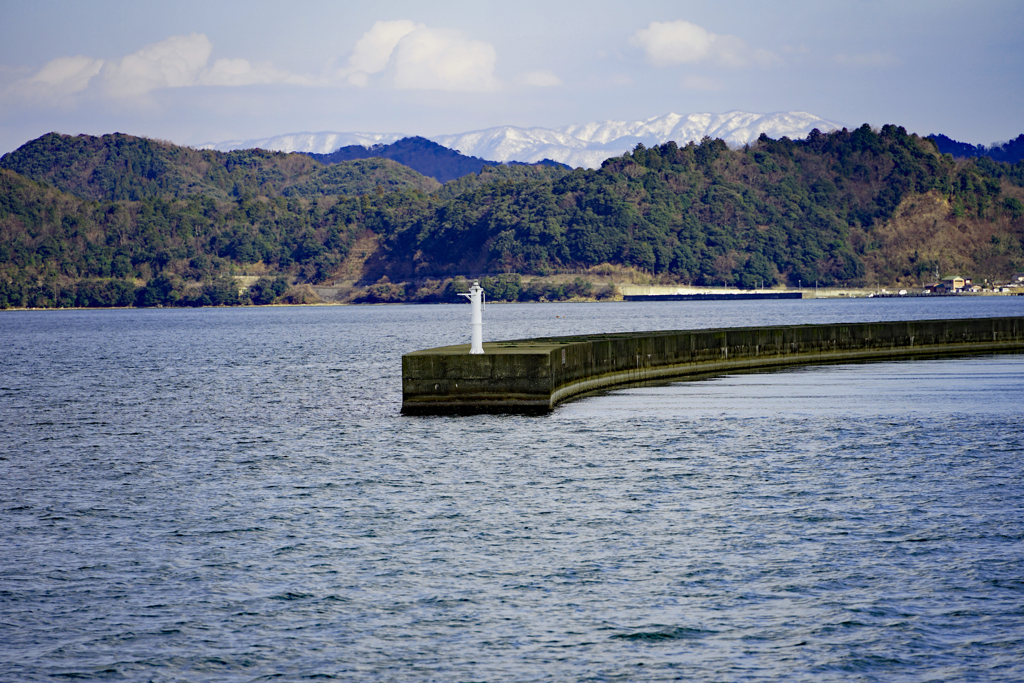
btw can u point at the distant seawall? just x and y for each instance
(712, 296)
(534, 375)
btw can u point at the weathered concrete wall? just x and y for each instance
(534, 375)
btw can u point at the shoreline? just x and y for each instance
(698, 294)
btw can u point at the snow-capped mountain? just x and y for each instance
(589, 144)
(318, 143)
(736, 128)
(585, 145)
(508, 143)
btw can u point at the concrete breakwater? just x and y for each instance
(534, 375)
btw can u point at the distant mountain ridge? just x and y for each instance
(586, 145)
(323, 142)
(590, 144)
(1011, 152)
(421, 155)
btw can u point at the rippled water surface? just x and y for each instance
(232, 495)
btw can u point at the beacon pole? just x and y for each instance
(475, 296)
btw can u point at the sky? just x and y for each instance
(194, 72)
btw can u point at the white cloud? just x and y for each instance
(673, 42)
(68, 74)
(443, 59)
(172, 63)
(402, 53)
(416, 57)
(58, 82)
(373, 50)
(680, 42)
(175, 62)
(541, 79)
(237, 72)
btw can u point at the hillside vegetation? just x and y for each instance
(125, 168)
(778, 211)
(850, 207)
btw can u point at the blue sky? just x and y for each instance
(194, 72)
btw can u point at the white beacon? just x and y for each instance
(476, 301)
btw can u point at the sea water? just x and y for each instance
(232, 495)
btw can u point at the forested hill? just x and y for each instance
(832, 208)
(854, 207)
(123, 167)
(421, 155)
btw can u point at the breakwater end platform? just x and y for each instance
(531, 376)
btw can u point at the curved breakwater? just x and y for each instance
(534, 375)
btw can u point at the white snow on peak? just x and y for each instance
(736, 128)
(508, 143)
(586, 145)
(589, 144)
(316, 143)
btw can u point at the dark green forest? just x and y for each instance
(135, 221)
(125, 168)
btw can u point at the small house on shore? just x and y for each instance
(953, 283)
